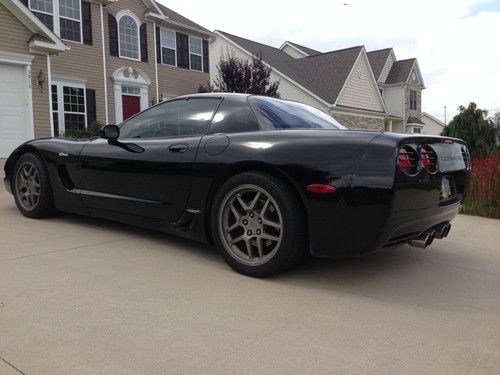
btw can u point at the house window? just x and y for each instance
(129, 37)
(61, 16)
(131, 90)
(413, 100)
(68, 107)
(168, 47)
(195, 54)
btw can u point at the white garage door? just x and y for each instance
(14, 107)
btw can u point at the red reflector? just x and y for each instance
(321, 188)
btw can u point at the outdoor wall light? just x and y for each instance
(40, 80)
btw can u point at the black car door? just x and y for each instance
(148, 171)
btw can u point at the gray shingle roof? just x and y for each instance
(400, 71)
(377, 60)
(305, 49)
(176, 17)
(323, 74)
(414, 120)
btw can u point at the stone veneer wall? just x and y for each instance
(359, 122)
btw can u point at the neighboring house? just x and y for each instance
(401, 85)
(362, 90)
(432, 125)
(338, 82)
(86, 61)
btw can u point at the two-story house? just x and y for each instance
(362, 90)
(65, 64)
(401, 86)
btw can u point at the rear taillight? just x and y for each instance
(466, 157)
(428, 158)
(408, 160)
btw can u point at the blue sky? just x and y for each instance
(455, 41)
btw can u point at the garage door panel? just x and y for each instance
(14, 108)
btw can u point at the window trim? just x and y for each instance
(194, 53)
(56, 19)
(162, 46)
(60, 102)
(137, 21)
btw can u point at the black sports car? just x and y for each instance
(266, 180)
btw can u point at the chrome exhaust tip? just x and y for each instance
(424, 240)
(443, 230)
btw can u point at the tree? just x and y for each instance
(473, 125)
(243, 76)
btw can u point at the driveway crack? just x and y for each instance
(61, 250)
(11, 365)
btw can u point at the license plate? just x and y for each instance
(447, 190)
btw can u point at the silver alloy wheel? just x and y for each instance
(250, 224)
(28, 186)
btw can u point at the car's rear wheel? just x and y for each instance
(258, 225)
(31, 187)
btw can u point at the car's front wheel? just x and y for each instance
(257, 225)
(31, 187)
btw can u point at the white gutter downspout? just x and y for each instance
(156, 64)
(104, 68)
(49, 78)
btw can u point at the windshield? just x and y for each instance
(283, 114)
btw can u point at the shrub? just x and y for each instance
(88, 132)
(482, 196)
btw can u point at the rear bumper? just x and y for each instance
(331, 239)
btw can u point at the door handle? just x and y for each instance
(178, 147)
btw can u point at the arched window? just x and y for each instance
(128, 31)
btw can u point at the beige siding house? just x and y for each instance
(65, 66)
(432, 125)
(401, 85)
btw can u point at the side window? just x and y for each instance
(234, 117)
(182, 117)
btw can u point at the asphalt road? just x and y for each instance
(85, 296)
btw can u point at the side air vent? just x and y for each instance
(408, 160)
(428, 158)
(466, 157)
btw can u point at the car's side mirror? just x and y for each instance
(109, 132)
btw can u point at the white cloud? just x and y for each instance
(455, 41)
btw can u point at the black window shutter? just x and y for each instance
(205, 56)
(158, 45)
(144, 42)
(91, 111)
(113, 35)
(182, 50)
(86, 23)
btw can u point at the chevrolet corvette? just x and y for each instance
(267, 181)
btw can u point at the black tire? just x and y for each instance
(292, 247)
(44, 206)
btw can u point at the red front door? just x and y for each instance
(131, 105)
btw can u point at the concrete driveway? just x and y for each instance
(84, 296)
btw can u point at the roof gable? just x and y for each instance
(361, 89)
(378, 60)
(43, 39)
(400, 71)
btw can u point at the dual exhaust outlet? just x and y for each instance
(427, 237)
